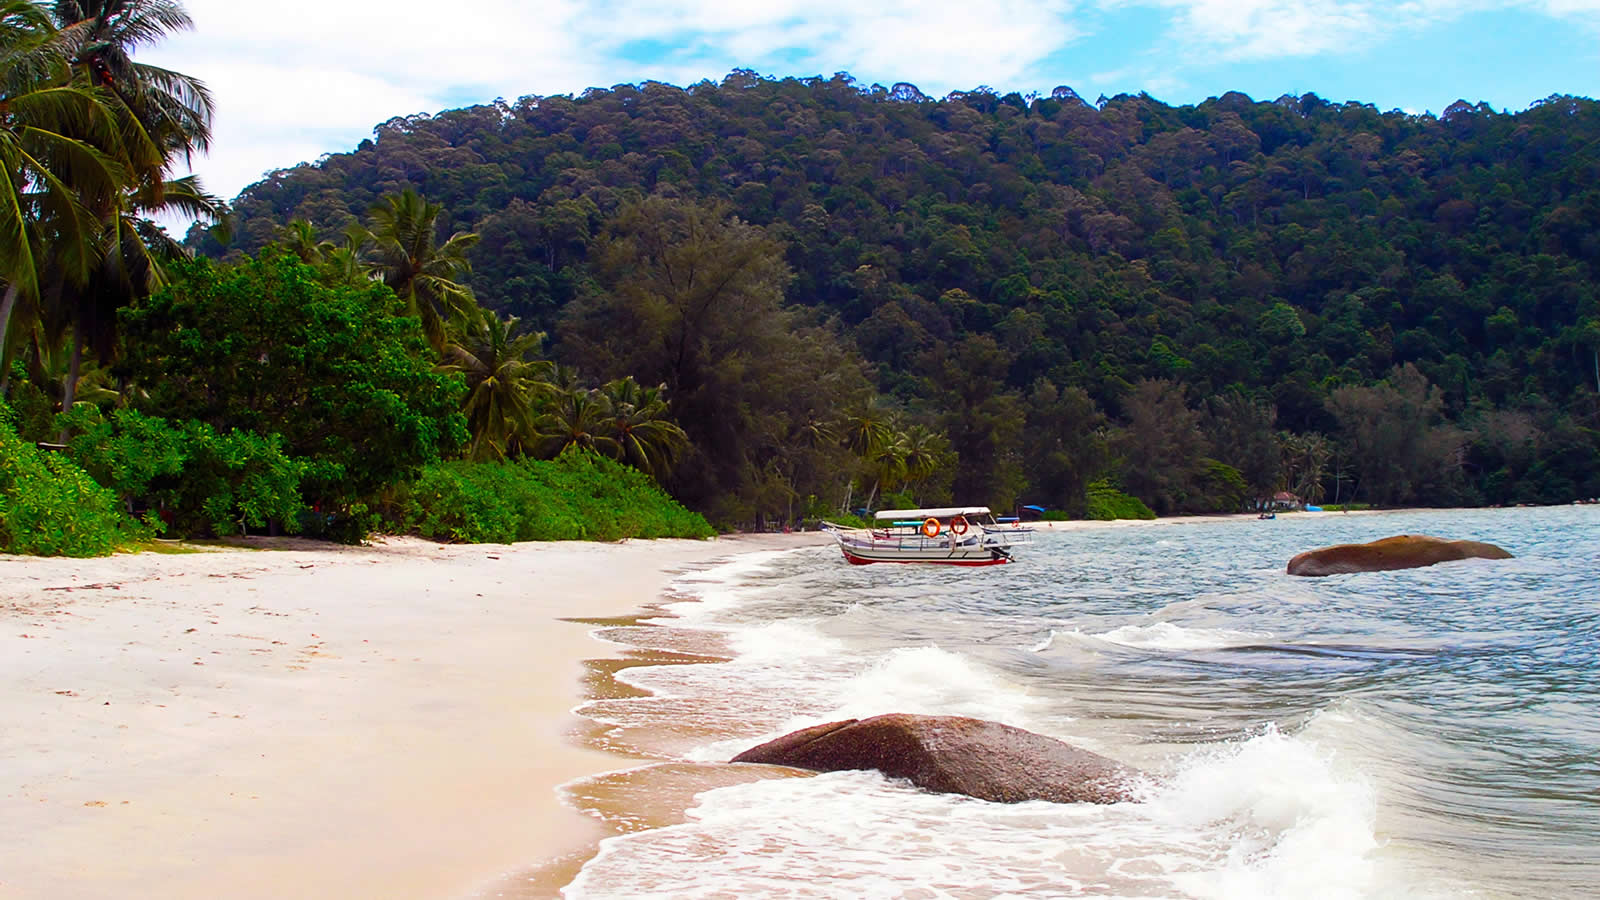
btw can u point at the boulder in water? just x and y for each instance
(954, 754)
(1403, 551)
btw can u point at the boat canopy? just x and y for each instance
(942, 513)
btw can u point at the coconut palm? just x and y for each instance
(407, 256)
(300, 238)
(864, 434)
(646, 438)
(503, 384)
(174, 110)
(1305, 462)
(814, 433)
(867, 430)
(576, 418)
(60, 160)
(133, 252)
(887, 463)
(158, 115)
(924, 451)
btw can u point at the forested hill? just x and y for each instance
(1275, 251)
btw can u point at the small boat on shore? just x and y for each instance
(957, 536)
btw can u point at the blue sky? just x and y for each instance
(301, 78)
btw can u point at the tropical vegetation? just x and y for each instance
(1317, 297)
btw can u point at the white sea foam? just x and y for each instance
(1272, 816)
(709, 593)
(785, 642)
(1299, 823)
(932, 681)
(1171, 636)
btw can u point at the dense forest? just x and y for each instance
(997, 298)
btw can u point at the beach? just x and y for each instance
(291, 718)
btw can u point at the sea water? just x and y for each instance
(1432, 732)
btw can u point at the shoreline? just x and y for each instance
(396, 719)
(316, 721)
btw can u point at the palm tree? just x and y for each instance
(159, 114)
(406, 255)
(503, 384)
(60, 160)
(174, 110)
(865, 433)
(577, 418)
(924, 451)
(300, 238)
(646, 438)
(887, 463)
(1305, 462)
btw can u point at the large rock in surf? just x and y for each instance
(1403, 551)
(954, 754)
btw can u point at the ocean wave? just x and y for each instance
(1270, 816)
(1158, 636)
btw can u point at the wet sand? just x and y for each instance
(308, 720)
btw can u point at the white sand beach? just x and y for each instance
(306, 721)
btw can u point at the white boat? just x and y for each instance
(957, 536)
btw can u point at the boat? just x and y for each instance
(955, 536)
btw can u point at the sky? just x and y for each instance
(297, 79)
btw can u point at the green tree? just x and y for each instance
(159, 115)
(646, 438)
(1398, 442)
(1065, 448)
(1240, 430)
(60, 159)
(1305, 463)
(265, 346)
(577, 419)
(504, 385)
(405, 253)
(693, 300)
(1160, 447)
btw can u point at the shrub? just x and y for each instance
(577, 496)
(338, 370)
(200, 479)
(50, 507)
(1106, 502)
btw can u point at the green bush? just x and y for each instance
(32, 412)
(577, 496)
(199, 479)
(339, 370)
(50, 507)
(1106, 502)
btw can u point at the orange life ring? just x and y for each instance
(958, 526)
(930, 526)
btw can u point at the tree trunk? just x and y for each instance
(6, 306)
(71, 388)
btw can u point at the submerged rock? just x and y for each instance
(954, 754)
(1403, 551)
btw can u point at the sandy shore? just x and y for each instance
(387, 721)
